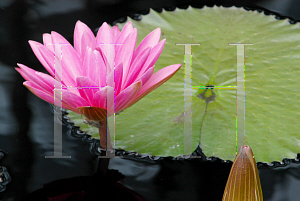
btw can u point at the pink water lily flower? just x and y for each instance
(88, 67)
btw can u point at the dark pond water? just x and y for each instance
(26, 122)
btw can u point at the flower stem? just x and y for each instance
(106, 145)
(103, 164)
(105, 142)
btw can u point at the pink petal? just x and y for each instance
(58, 39)
(50, 81)
(38, 91)
(145, 77)
(87, 88)
(48, 42)
(60, 42)
(105, 42)
(126, 52)
(153, 56)
(25, 75)
(155, 81)
(37, 48)
(31, 75)
(104, 35)
(150, 40)
(48, 57)
(87, 40)
(126, 96)
(117, 73)
(71, 63)
(100, 71)
(136, 67)
(46, 96)
(72, 99)
(64, 74)
(44, 81)
(115, 32)
(90, 68)
(99, 99)
(127, 29)
(83, 38)
(59, 72)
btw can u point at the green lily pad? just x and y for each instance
(155, 124)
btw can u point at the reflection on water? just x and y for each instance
(4, 175)
(281, 183)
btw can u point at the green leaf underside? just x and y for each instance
(155, 124)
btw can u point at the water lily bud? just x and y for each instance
(243, 183)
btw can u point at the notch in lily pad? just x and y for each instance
(208, 94)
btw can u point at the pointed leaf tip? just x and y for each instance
(243, 183)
